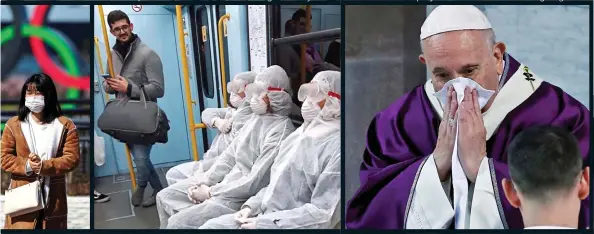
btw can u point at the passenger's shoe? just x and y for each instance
(151, 201)
(137, 196)
(100, 198)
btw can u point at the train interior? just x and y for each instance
(220, 41)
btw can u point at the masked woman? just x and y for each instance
(39, 144)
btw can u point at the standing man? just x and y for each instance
(413, 175)
(143, 67)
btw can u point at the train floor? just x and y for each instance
(118, 213)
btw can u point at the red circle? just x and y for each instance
(137, 8)
(46, 63)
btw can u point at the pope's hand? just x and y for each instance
(446, 136)
(472, 146)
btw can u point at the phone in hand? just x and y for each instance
(106, 76)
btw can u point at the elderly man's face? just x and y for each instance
(463, 54)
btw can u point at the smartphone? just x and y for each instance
(106, 76)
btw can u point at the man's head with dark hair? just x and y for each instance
(547, 175)
(119, 25)
(299, 20)
(289, 28)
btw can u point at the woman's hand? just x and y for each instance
(35, 166)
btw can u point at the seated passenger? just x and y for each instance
(243, 168)
(548, 178)
(227, 120)
(304, 189)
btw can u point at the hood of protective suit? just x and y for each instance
(240, 81)
(326, 85)
(273, 82)
(238, 85)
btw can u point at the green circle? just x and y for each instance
(48, 37)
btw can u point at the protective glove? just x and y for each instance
(224, 125)
(250, 223)
(242, 215)
(200, 194)
(190, 189)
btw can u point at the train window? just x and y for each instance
(202, 52)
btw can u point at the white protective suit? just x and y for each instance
(304, 190)
(243, 168)
(238, 116)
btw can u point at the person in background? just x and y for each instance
(288, 58)
(333, 54)
(313, 57)
(243, 168)
(304, 189)
(228, 121)
(548, 180)
(140, 59)
(40, 143)
(100, 197)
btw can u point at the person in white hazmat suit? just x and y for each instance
(228, 121)
(243, 168)
(304, 189)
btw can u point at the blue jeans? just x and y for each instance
(146, 172)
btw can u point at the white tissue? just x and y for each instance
(459, 179)
(459, 84)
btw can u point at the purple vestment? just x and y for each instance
(404, 134)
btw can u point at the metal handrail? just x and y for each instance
(100, 61)
(222, 57)
(324, 35)
(186, 72)
(112, 73)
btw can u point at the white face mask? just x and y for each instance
(459, 84)
(310, 110)
(235, 100)
(35, 103)
(258, 105)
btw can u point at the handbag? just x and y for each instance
(24, 199)
(27, 198)
(134, 121)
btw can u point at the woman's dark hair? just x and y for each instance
(43, 84)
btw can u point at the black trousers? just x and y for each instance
(40, 218)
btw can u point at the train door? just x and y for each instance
(155, 25)
(203, 24)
